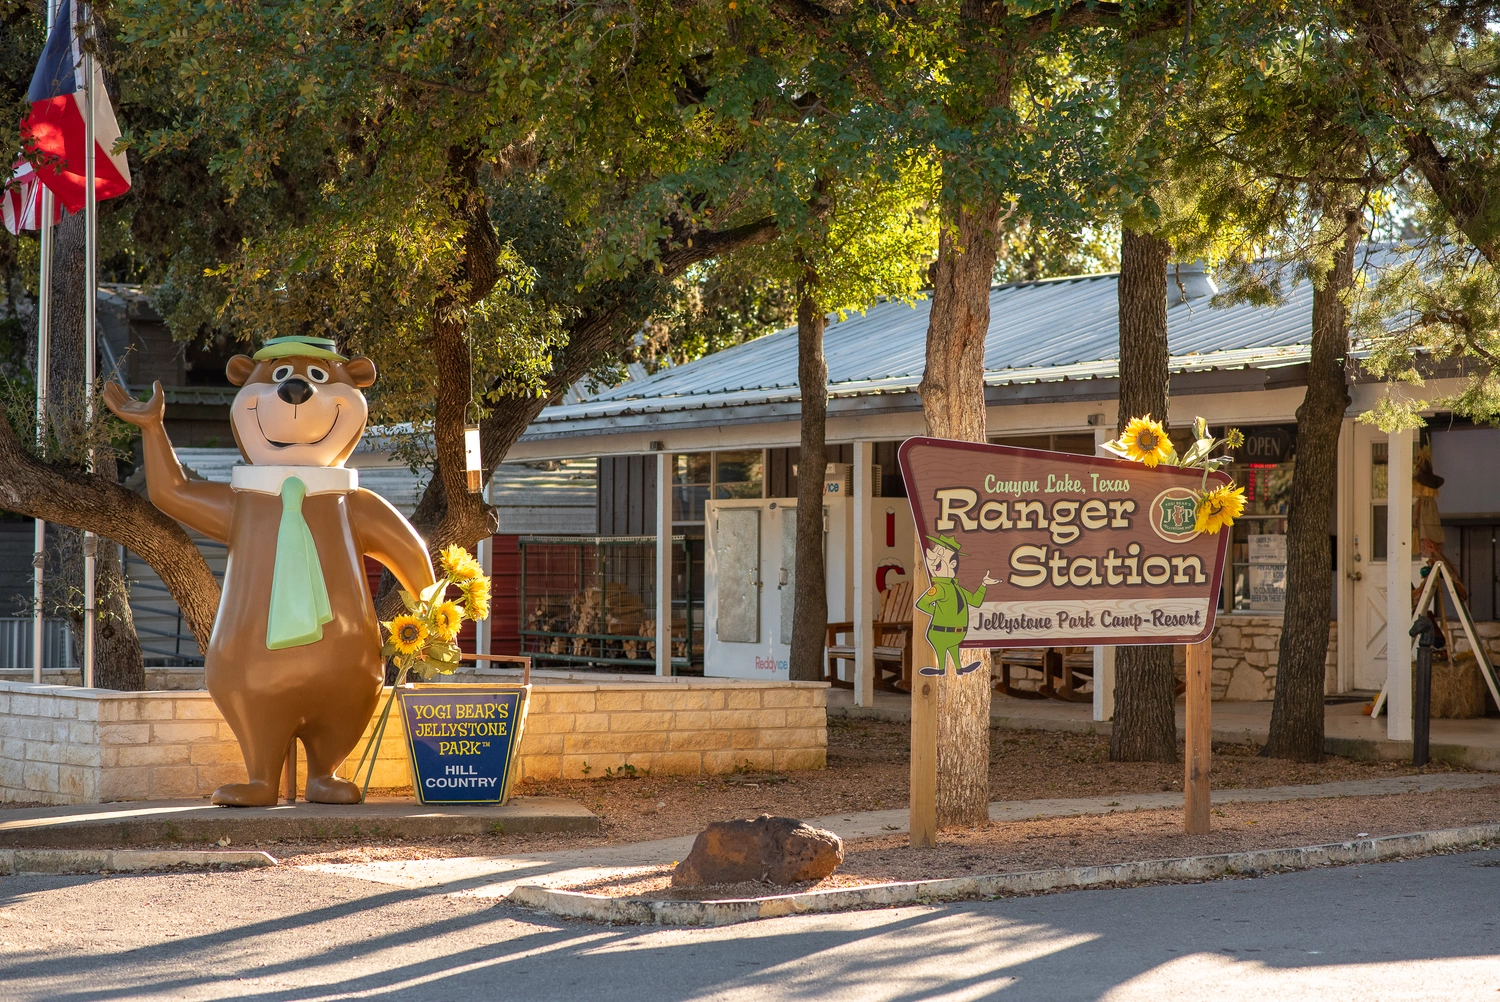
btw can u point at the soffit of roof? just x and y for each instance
(1039, 331)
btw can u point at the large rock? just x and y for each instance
(767, 849)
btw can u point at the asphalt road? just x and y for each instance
(1421, 929)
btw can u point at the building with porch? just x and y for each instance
(675, 447)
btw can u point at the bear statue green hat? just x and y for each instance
(300, 345)
(945, 540)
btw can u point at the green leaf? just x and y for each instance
(408, 601)
(1199, 450)
(432, 591)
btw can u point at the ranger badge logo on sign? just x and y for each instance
(1177, 515)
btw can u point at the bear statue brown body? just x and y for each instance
(296, 415)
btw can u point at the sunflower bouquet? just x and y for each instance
(1146, 442)
(424, 640)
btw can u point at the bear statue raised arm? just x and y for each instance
(295, 650)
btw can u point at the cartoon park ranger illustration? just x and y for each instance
(947, 602)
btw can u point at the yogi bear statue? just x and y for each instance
(295, 650)
(948, 602)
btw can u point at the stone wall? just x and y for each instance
(1246, 648)
(71, 746)
(1489, 636)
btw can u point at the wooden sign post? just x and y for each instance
(1023, 548)
(1199, 743)
(922, 827)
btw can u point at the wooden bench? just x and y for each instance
(892, 643)
(1063, 670)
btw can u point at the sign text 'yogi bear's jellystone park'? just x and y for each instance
(1044, 547)
(462, 740)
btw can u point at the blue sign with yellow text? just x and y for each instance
(463, 740)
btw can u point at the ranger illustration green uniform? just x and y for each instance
(948, 602)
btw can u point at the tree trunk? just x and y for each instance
(593, 336)
(810, 619)
(1145, 728)
(1297, 712)
(117, 650)
(953, 405)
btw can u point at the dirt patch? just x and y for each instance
(1014, 846)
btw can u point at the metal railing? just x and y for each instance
(15, 644)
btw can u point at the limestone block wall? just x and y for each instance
(1246, 649)
(1489, 636)
(68, 745)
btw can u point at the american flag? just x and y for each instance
(22, 202)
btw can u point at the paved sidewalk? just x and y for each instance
(495, 876)
(143, 822)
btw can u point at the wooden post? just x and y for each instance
(1398, 647)
(1195, 788)
(289, 773)
(664, 466)
(922, 827)
(864, 577)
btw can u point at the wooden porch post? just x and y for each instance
(1398, 587)
(864, 577)
(664, 563)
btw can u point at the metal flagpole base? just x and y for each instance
(90, 554)
(38, 618)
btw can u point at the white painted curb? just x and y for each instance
(598, 908)
(14, 861)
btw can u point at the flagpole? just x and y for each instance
(43, 364)
(43, 367)
(90, 307)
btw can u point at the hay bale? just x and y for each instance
(1458, 690)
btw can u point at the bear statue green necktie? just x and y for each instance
(299, 596)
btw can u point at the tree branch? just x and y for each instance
(67, 495)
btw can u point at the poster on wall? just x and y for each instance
(1267, 572)
(1028, 548)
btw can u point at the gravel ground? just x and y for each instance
(868, 769)
(1110, 838)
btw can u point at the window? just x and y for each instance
(698, 476)
(738, 474)
(692, 480)
(1380, 483)
(1257, 547)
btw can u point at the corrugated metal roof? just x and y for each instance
(1039, 331)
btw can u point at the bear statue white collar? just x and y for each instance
(319, 479)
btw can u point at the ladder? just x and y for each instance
(1424, 602)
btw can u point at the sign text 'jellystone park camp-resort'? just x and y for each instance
(1049, 548)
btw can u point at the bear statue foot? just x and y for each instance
(331, 790)
(258, 794)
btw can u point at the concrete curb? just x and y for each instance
(17, 861)
(597, 908)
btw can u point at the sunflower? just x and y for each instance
(477, 592)
(1145, 441)
(1219, 508)
(459, 564)
(408, 633)
(447, 618)
(1234, 438)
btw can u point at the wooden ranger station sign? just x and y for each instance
(1024, 548)
(1033, 549)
